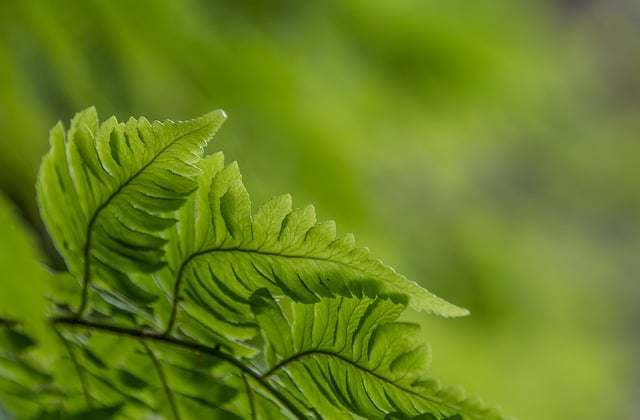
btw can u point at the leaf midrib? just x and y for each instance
(98, 212)
(328, 353)
(209, 251)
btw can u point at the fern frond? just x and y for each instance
(200, 308)
(349, 356)
(106, 191)
(285, 250)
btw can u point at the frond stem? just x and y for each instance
(79, 371)
(156, 336)
(252, 404)
(163, 380)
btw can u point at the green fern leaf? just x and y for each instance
(106, 191)
(279, 248)
(348, 356)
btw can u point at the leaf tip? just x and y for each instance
(215, 118)
(453, 311)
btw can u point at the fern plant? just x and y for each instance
(180, 303)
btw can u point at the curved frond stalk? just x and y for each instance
(106, 192)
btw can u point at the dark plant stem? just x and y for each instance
(76, 365)
(252, 404)
(163, 380)
(163, 338)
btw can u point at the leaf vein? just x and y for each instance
(98, 211)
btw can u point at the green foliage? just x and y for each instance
(106, 190)
(499, 171)
(19, 262)
(178, 302)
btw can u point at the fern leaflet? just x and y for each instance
(106, 191)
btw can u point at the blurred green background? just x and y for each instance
(487, 149)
